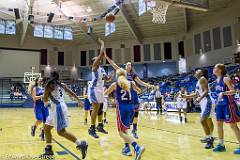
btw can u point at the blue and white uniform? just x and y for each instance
(41, 112)
(124, 107)
(97, 86)
(226, 109)
(58, 116)
(87, 103)
(206, 103)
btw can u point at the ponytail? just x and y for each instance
(122, 80)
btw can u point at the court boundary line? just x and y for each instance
(66, 149)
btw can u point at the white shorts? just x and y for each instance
(105, 104)
(96, 95)
(52, 118)
(182, 105)
(206, 105)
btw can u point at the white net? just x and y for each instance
(159, 10)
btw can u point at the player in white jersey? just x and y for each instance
(96, 94)
(58, 117)
(206, 103)
(181, 104)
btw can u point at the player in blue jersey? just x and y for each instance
(41, 112)
(132, 76)
(226, 108)
(124, 92)
(96, 94)
(87, 103)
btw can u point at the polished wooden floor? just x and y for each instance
(163, 136)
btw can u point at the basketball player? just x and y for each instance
(97, 93)
(41, 112)
(125, 110)
(182, 104)
(205, 101)
(226, 108)
(58, 118)
(87, 104)
(132, 76)
(105, 107)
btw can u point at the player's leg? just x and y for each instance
(220, 147)
(48, 154)
(236, 131)
(81, 145)
(185, 114)
(207, 130)
(180, 113)
(135, 123)
(39, 119)
(210, 125)
(45, 114)
(92, 130)
(100, 127)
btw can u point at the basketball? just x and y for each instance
(110, 18)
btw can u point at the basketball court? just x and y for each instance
(163, 136)
(165, 41)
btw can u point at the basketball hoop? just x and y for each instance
(159, 10)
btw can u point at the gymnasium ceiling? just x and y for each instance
(128, 25)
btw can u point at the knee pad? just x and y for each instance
(100, 111)
(136, 114)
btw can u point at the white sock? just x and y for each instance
(221, 142)
(78, 142)
(208, 136)
(49, 144)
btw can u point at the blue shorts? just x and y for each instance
(125, 114)
(41, 112)
(206, 107)
(228, 112)
(87, 105)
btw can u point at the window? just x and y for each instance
(207, 41)
(197, 43)
(147, 52)
(137, 53)
(167, 50)
(83, 55)
(216, 38)
(91, 56)
(109, 53)
(43, 55)
(157, 51)
(181, 49)
(61, 58)
(227, 36)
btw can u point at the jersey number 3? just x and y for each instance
(124, 96)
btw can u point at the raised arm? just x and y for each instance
(72, 94)
(110, 89)
(100, 57)
(109, 78)
(136, 88)
(113, 64)
(144, 84)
